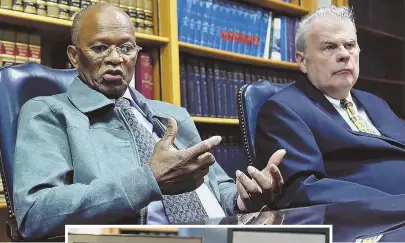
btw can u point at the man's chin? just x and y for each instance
(113, 92)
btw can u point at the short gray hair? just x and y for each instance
(334, 12)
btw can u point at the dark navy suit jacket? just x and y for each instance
(327, 162)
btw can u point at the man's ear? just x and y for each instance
(73, 55)
(301, 61)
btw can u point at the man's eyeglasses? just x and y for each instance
(100, 51)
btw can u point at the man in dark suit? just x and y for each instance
(342, 144)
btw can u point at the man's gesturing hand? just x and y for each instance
(259, 191)
(179, 171)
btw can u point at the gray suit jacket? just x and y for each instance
(76, 162)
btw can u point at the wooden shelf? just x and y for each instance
(381, 80)
(379, 32)
(48, 23)
(234, 57)
(280, 7)
(3, 205)
(216, 120)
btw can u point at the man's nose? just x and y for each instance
(342, 54)
(114, 56)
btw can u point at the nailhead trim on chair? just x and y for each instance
(243, 124)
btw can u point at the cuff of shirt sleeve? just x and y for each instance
(141, 187)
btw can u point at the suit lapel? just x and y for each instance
(322, 103)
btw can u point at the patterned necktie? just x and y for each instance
(357, 120)
(180, 208)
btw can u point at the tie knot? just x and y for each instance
(346, 104)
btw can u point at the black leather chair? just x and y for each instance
(250, 98)
(18, 84)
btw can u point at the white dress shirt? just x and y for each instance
(358, 109)
(156, 214)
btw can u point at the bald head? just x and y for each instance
(96, 12)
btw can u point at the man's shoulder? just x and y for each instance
(168, 109)
(53, 103)
(291, 96)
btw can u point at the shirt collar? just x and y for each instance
(336, 102)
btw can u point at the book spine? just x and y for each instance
(6, 4)
(30, 6)
(18, 5)
(9, 39)
(230, 103)
(140, 16)
(197, 87)
(224, 93)
(144, 75)
(190, 87)
(41, 7)
(210, 24)
(203, 88)
(21, 48)
(276, 52)
(132, 10)
(34, 45)
(217, 90)
(204, 24)
(211, 90)
(198, 8)
(63, 9)
(235, 83)
(216, 25)
(183, 82)
(52, 8)
(148, 17)
(191, 23)
(74, 8)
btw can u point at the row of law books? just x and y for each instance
(237, 27)
(18, 47)
(380, 14)
(209, 88)
(229, 154)
(140, 11)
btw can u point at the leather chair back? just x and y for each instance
(251, 97)
(18, 84)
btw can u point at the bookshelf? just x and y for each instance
(380, 80)
(234, 57)
(381, 60)
(281, 7)
(43, 23)
(379, 32)
(216, 120)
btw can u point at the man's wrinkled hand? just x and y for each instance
(259, 190)
(179, 171)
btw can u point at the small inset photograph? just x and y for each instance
(191, 234)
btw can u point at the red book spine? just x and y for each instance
(144, 75)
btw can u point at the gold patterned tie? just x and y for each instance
(357, 120)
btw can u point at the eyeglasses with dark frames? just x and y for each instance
(100, 51)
